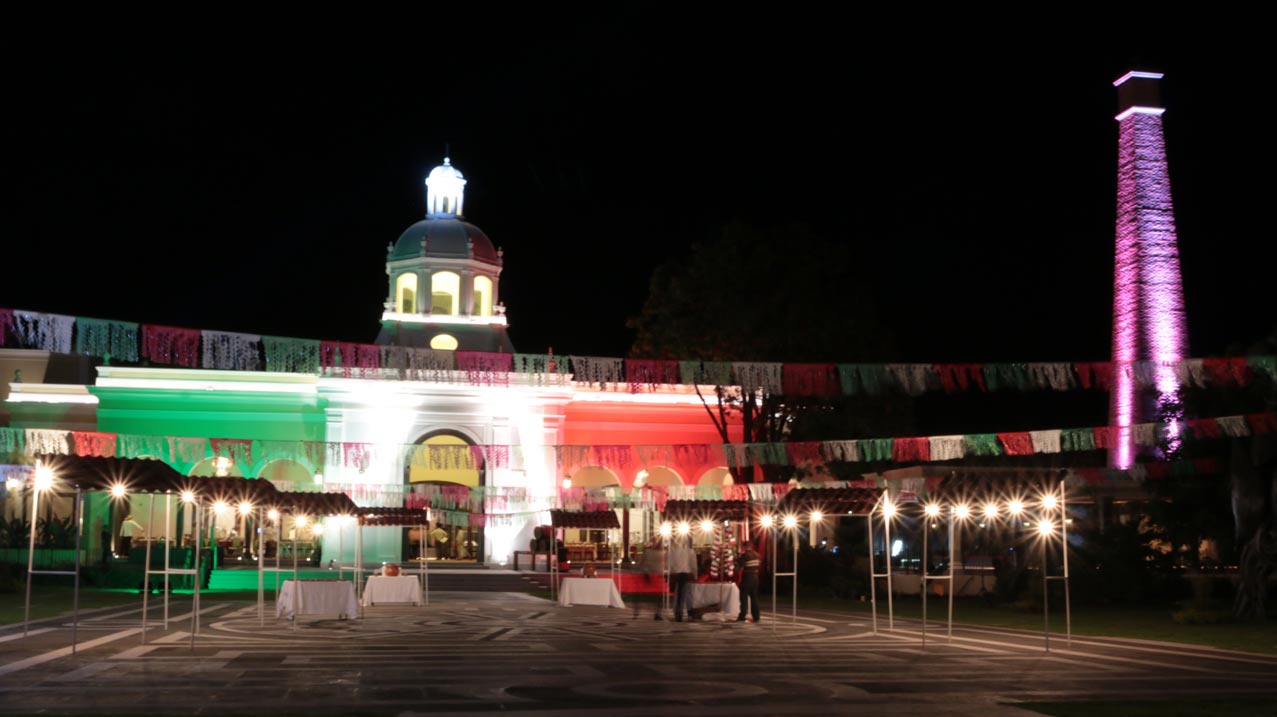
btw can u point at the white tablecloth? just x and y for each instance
(397, 588)
(725, 595)
(589, 591)
(317, 597)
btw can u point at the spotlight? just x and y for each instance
(1045, 527)
(990, 510)
(301, 521)
(817, 516)
(932, 510)
(118, 490)
(1049, 502)
(188, 496)
(791, 521)
(707, 526)
(272, 514)
(43, 477)
(684, 528)
(245, 508)
(220, 507)
(963, 511)
(766, 521)
(318, 529)
(889, 509)
(1015, 507)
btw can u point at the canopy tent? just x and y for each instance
(698, 510)
(830, 501)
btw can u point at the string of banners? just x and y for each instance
(26, 443)
(190, 348)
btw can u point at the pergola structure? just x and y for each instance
(814, 505)
(394, 518)
(1037, 505)
(303, 507)
(121, 477)
(587, 520)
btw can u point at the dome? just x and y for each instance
(445, 237)
(445, 173)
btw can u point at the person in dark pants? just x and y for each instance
(750, 567)
(682, 573)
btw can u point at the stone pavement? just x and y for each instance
(476, 653)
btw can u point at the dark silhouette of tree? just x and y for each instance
(777, 293)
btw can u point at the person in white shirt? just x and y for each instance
(682, 573)
(128, 529)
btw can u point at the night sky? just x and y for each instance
(252, 183)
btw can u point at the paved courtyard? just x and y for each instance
(477, 653)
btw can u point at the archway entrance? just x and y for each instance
(446, 542)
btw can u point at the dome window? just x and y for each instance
(482, 296)
(406, 293)
(445, 293)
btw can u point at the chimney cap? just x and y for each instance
(1138, 93)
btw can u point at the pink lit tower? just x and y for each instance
(1148, 297)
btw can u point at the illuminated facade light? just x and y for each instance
(319, 479)
(445, 190)
(567, 483)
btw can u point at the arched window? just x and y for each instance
(445, 293)
(482, 296)
(444, 342)
(406, 291)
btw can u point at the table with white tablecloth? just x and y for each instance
(589, 591)
(392, 588)
(317, 597)
(724, 596)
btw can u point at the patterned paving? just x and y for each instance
(476, 653)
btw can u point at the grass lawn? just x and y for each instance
(1149, 623)
(52, 600)
(1153, 708)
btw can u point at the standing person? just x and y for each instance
(682, 573)
(440, 538)
(652, 571)
(750, 567)
(128, 529)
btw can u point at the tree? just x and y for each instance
(766, 293)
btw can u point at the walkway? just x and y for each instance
(483, 653)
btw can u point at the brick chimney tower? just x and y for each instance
(1148, 298)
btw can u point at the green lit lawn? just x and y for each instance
(1142, 708)
(1152, 623)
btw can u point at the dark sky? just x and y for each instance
(250, 181)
